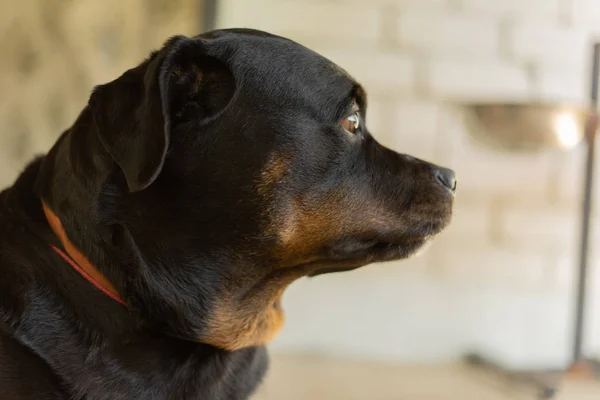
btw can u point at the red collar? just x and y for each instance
(78, 261)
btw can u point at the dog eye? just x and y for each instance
(351, 123)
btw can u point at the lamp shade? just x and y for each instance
(526, 126)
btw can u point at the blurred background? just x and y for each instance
(500, 281)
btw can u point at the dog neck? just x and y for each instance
(75, 258)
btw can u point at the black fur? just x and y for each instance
(201, 183)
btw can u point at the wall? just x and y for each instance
(55, 51)
(501, 279)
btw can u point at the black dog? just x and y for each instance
(145, 256)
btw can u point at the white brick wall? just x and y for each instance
(501, 278)
(53, 56)
(562, 85)
(319, 21)
(492, 172)
(543, 223)
(471, 81)
(549, 10)
(585, 12)
(543, 43)
(396, 72)
(456, 34)
(419, 120)
(402, 4)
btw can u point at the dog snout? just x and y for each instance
(446, 177)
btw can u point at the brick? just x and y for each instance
(594, 236)
(470, 218)
(569, 181)
(585, 12)
(486, 170)
(432, 321)
(566, 176)
(308, 22)
(532, 9)
(412, 127)
(524, 331)
(478, 261)
(380, 116)
(376, 70)
(567, 86)
(564, 272)
(539, 221)
(593, 305)
(407, 4)
(448, 34)
(478, 81)
(420, 3)
(501, 174)
(548, 45)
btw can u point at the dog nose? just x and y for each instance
(446, 177)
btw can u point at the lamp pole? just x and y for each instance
(590, 136)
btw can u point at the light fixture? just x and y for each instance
(567, 129)
(526, 127)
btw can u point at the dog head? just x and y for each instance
(239, 162)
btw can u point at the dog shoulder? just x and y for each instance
(23, 375)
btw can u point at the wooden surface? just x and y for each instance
(306, 378)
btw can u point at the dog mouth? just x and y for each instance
(353, 252)
(356, 254)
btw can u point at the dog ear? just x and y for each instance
(135, 114)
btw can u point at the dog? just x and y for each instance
(145, 256)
